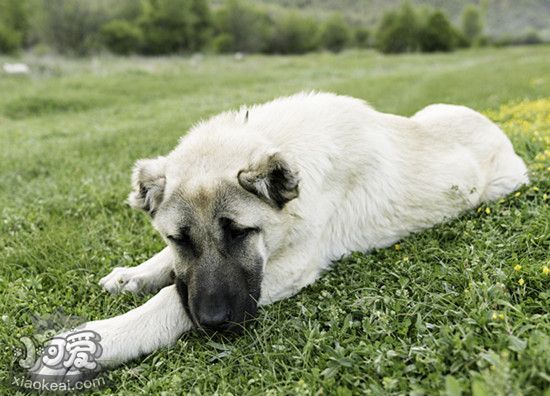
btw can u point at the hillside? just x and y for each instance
(503, 17)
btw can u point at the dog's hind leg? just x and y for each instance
(507, 173)
(149, 277)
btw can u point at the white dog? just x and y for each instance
(255, 204)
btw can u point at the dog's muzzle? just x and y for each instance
(219, 310)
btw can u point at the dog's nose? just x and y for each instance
(215, 319)
(214, 311)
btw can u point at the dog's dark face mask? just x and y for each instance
(221, 285)
(221, 232)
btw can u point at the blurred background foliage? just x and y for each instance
(156, 27)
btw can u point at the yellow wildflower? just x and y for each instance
(531, 119)
(517, 194)
(501, 316)
(495, 316)
(521, 282)
(397, 246)
(488, 210)
(517, 267)
(535, 189)
(545, 270)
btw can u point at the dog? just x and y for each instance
(255, 204)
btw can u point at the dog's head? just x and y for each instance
(223, 214)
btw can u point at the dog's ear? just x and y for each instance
(148, 181)
(273, 180)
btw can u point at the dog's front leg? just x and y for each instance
(148, 277)
(157, 323)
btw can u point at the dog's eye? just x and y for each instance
(234, 232)
(240, 233)
(181, 239)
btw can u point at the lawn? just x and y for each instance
(463, 307)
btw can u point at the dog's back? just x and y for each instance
(367, 179)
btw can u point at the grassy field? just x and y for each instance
(460, 308)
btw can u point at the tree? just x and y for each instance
(71, 26)
(398, 31)
(335, 34)
(14, 14)
(202, 24)
(121, 37)
(294, 34)
(242, 27)
(14, 24)
(437, 34)
(472, 24)
(166, 26)
(10, 40)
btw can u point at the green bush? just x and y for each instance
(398, 31)
(166, 26)
(294, 34)
(529, 38)
(242, 27)
(121, 37)
(10, 40)
(128, 10)
(71, 26)
(223, 43)
(459, 40)
(14, 17)
(77, 26)
(436, 34)
(481, 41)
(405, 30)
(335, 34)
(472, 23)
(201, 25)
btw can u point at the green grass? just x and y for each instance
(443, 313)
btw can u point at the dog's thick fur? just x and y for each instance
(255, 204)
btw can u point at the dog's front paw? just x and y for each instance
(70, 357)
(68, 376)
(82, 353)
(127, 279)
